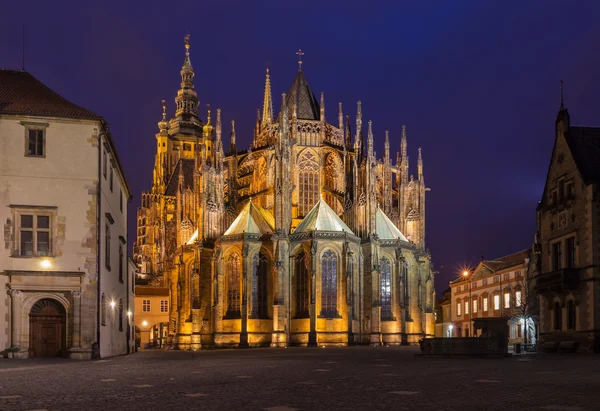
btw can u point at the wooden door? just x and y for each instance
(46, 329)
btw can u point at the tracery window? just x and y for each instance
(259, 286)
(308, 179)
(329, 284)
(234, 284)
(302, 284)
(386, 289)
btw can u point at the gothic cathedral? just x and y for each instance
(305, 238)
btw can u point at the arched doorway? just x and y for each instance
(47, 329)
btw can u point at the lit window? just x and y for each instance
(302, 285)
(466, 307)
(485, 304)
(458, 307)
(518, 298)
(146, 306)
(386, 289)
(308, 180)
(506, 300)
(496, 302)
(164, 306)
(474, 306)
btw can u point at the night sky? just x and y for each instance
(475, 82)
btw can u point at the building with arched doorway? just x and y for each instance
(63, 210)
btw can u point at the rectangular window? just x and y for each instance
(458, 289)
(35, 142)
(474, 284)
(518, 298)
(570, 190)
(466, 307)
(506, 276)
(146, 306)
(496, 280)
(570, 251)
(34, 234)
(104, 162)
(107, 247)
(164, 306)
(121, 263)
(506, 300)
(484, 281)
(458, 306)
(554, 197)
(519, 332)
(497, 302)
(556, 256)
(474, 306)
(485, 304)
(517, 274)
(121, 200)
(187, 147)
(111, 178)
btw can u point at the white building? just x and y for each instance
(63, 210)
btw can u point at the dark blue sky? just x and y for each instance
(475, 82)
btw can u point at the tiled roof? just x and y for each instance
(585, 147)
(302, 97)
(488, 267)
(149, 291)
(385, 228)
(252, 220)
(21, 93)
(322, 218)
(188, 176)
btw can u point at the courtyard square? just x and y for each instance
(353, 378)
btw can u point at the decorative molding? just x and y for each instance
(110, 218)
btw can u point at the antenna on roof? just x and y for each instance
(23, 62)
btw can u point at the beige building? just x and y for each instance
(304, 238)
(568, 249)
(444, 326)
(152, 315)
(496, 288)
(63, 210)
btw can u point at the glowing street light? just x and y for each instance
(129, 313)
(145, 323)
(113, 304)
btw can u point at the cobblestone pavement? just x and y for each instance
(356, 378)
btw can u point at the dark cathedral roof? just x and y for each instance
(21, 93)
(585, 147)
(188, 176)
(301, 96)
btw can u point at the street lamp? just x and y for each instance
(466, 275)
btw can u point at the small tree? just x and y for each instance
(524, 302)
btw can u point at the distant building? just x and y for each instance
(152, 315)
(496, 288)
(63, 210)
(443, 316)
(568, 249)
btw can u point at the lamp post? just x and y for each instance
(466, 275)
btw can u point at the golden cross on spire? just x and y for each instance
(186, 39)
(300, 53)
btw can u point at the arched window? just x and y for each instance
(234, 283)
(259, 286)
(302, 284)
(557, 317)
(329, 284)
(195, 286)
(308, 181)
(120, 314)
(571, 315)
(103, 310)
(386, 289)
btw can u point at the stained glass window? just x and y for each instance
(386, 289)
(234, 283)
(259, 287)
(302, 284)
(329, 284)
(308, 180)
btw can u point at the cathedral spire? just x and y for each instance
(267, 116)
(163, 124)
(358, 135)
(386, 150)
(232, 135)
(348, 132)
(300, 53)
(218, 127)
(370, 139)
(340, 117)
(404, 156)
(322, 106)
(420, 166)
(187, 99)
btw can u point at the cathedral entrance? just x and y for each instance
(47, 329)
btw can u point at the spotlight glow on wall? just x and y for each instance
(145, 323)
(45, 263)
(113, 303)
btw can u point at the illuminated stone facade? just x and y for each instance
(295, 240)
